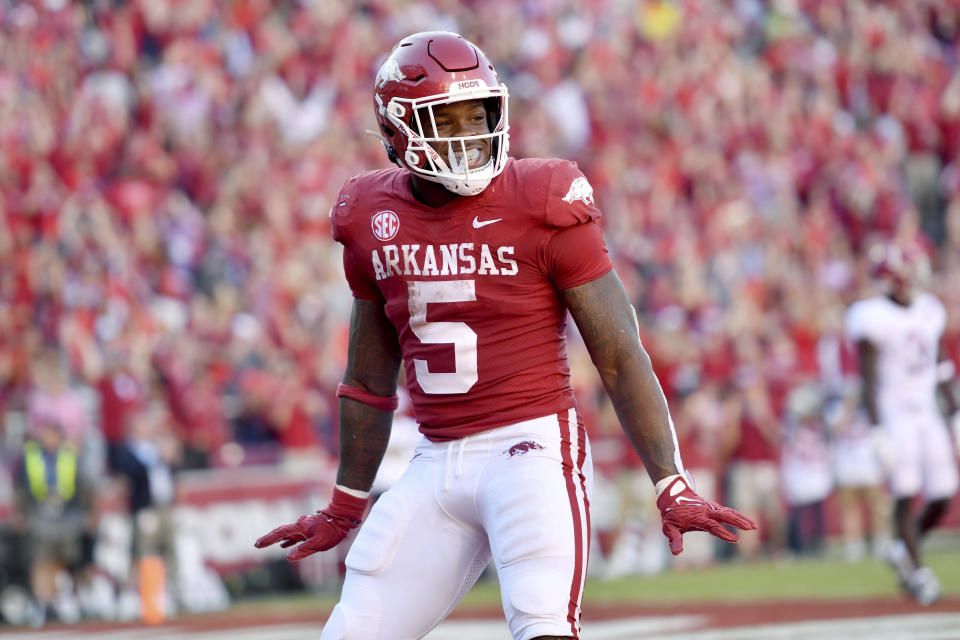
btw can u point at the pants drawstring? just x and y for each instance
(446, 467)
(461, 445)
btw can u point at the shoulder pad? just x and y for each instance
(343, 204)
(570, 198)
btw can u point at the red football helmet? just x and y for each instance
(426, 70)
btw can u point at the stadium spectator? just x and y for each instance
(147, 461)
(805, 471)
(53, 400)
(54, 512)
(859, 477)
(754, 477)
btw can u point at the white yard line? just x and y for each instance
(932, 626)
(627, 628)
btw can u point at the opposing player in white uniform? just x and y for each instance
(898, 340)
(464, 263)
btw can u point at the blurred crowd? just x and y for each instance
(166, 168)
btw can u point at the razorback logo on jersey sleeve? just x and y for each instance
(570, 198)
(580, 189)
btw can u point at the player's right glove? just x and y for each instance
(321, 531)
(683, 510)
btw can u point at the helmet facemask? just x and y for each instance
(415, 120)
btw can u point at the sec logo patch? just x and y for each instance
(385, 225)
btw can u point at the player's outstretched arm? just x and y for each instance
(608, 324)
(373, 362)
(609, 328)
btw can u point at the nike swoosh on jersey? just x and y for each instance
(477, 224)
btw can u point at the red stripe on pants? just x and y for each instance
(581, 459)
(566, 455)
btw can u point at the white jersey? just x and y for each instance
(907, 341)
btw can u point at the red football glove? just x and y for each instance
(321, 531)
(683, 510)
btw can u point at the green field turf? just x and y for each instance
(807, 579)
(785, 580)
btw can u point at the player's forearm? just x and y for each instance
(364, 433)
(373, 364)
(365, 427)
(868, 369)
(642, 410)
(608, 325)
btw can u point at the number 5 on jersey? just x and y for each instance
(459, 334)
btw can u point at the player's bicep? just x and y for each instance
(373, 352)
(361, 283)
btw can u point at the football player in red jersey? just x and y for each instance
(463, 264)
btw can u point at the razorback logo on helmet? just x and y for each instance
(580, 189)
(390, 70)
(385, 225)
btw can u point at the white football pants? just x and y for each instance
(924, 459)
(519, 494)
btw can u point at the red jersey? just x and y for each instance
(472, 287)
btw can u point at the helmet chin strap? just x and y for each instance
(465, 187)
(468, 186)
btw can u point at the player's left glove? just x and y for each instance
(321, 531)
(683, 510)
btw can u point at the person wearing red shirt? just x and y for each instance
(463, 264)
